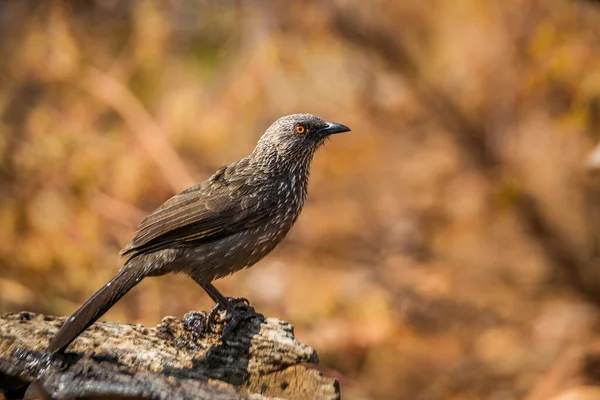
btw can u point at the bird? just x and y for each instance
(219, 226)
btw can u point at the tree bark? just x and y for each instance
(178, 359)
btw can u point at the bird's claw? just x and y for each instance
(237, 311)
(212, 314)
(242, 311)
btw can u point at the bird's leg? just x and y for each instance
(235, 311)
(217, 297)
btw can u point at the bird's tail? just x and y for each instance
(95, 307)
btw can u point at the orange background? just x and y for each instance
(448, 248)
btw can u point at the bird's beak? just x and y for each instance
(331, 128)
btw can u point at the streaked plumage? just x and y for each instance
(221, 225)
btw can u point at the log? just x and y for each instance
(178, 359)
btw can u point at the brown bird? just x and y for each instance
(221, 225)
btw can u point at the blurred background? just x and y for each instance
(449, 245)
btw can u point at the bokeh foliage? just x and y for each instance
(449, 245)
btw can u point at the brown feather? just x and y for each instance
(211, 210)
(95, 307)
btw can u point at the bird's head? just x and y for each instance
(296, 137)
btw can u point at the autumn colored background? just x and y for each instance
(449, 245)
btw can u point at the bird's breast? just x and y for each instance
(249, 246)
(290, 195)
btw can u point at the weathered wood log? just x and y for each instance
(179, 359)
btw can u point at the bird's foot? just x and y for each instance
(237, 311)
(211, 318)
(241, 311)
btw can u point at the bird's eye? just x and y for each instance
(300, 129)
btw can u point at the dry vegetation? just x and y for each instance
(449, 246)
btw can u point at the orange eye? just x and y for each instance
(300, 129)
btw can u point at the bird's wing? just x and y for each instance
(205, 212)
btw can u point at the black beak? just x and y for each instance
(332, 128)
